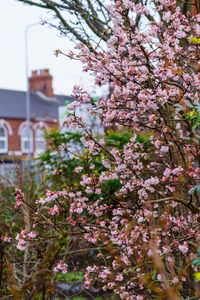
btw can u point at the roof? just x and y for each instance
(13, 105)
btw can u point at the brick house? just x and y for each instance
(44, 105)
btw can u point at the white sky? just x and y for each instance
(14, 17)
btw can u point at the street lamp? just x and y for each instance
(28, 112)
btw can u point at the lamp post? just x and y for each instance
(28, 112)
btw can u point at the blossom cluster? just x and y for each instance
(19, 197)
(61, 267)
(23, 237)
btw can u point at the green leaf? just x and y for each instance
(196, 123)
(154, 274)
(195, 189)
(196, 262)
(198, 251)
(186, 116)
(67, 102)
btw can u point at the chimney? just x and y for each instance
(41, 80)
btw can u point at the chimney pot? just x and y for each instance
(46, 71)
(34, 73)
(41, 80)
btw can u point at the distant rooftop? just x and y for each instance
(13, 105)
(43, 103)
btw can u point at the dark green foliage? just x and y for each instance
(117, 139)
(69, 277)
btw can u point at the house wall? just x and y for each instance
(40, 80)
(14, 138)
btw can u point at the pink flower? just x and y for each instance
(79, 210)
(175, 280)
(73, 105)
(157, 143)
(21, 245)
(31, 235)
(61, 266)
(164, 149)
(119, 277)
(183, 248)
(55, 172)
(78, 169)
(159, 276)
(6, 238)
(19, 197)
(76, 89)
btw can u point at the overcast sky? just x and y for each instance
(14, 17)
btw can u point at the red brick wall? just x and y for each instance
(14, 140)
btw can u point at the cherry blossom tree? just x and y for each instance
(140, 210)
(154, 78)
(89, 20)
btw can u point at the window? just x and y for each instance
(27, 140)
(40, 142)
(3, 140)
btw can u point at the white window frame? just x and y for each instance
(39, 139)
(25, 139)
(4, 139)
